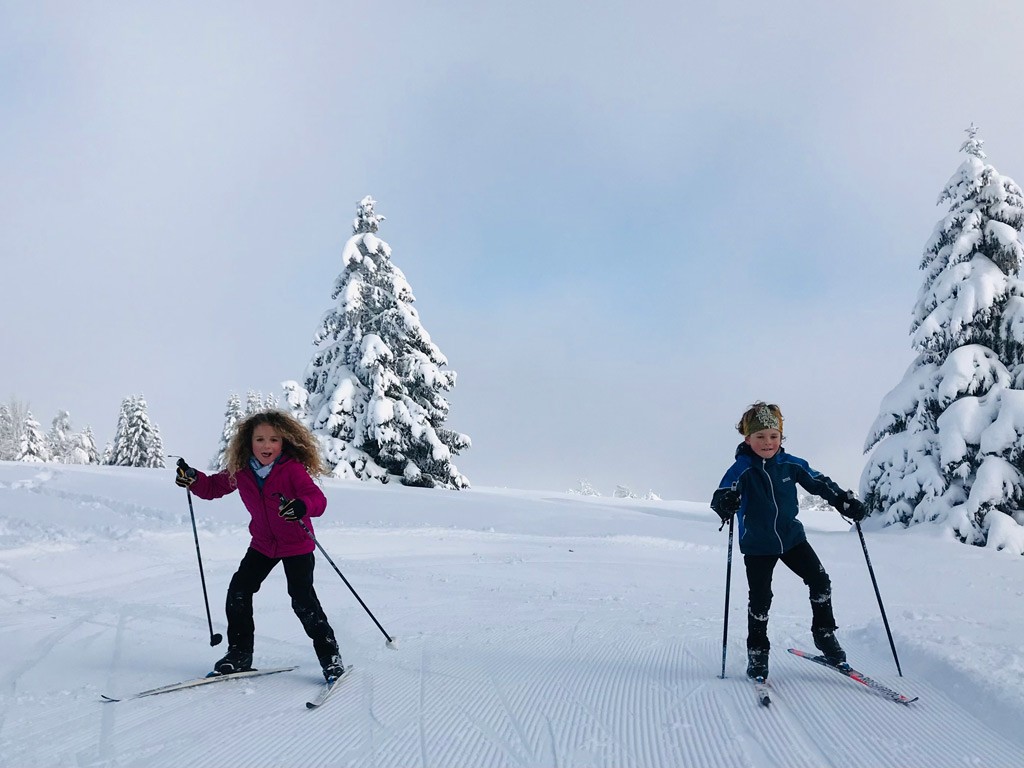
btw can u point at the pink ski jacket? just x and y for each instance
(271, 535)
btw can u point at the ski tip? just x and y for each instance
(107, 699)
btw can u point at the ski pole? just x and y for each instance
(728, 579)
(215, 637)
(391, 641)
(878, 595)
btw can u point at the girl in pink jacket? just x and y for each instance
(271, 461)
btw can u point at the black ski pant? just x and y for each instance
(801, 560)
(298, 570)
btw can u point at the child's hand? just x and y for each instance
(726, 503)
(292, 509)
(184, 476)
(852, 508)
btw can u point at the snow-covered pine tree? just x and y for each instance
(59, 438)
(12, 428)
(949, 438)
(137, 441)
(584, 489)
(253, 402)
(113, 448)
(373, 391)
(232, 414)
(7, 441)
(33, 445)
(83, 448)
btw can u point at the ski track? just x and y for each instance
(586, 678)
(582, 694)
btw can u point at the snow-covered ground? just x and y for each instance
(535, 629)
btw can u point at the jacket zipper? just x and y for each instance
(266, 519)
(775, 503)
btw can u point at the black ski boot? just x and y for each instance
(332, 666)
(235, 660)
(757, 663)
(826, 642)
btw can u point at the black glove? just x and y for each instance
(185, 475)
(292, 509)
(852, 508)
(726, 503)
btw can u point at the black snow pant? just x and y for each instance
(804, 562)
(298, 570)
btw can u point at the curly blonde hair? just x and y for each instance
(298, 442)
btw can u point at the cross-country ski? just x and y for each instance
(212, 677)
(328, 688)
(761, 691)
(848, 671)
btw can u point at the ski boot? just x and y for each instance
(235, 660)
(332, 667)
(826, 642)
(757, 663)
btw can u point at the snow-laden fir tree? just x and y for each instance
(253, 402)
(137, 440)
(7, 437)
(82, 448)
(373, 392)
(584, 489)
(233, 413)
(60, 437)
(12, 428)
(33, 445)
(949, 438)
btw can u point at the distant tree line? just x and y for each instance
(136, 440)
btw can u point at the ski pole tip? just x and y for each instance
(392, 643)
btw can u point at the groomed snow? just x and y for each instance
(535, 629)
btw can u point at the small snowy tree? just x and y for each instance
(83, 448)
(374, 390)
(59, 439)
(12, 428)
(7, 440)
(232, 415)
(948, 440)
(253, 402)
(137, 441)
(584, 489)
(33, 445)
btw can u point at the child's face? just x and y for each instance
(266, 444)
(765, 443)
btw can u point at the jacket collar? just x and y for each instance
(745, 450)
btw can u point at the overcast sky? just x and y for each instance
(623, 222)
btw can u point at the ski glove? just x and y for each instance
(726, 502)
(292, 509)
(185, 475)
(852, 508)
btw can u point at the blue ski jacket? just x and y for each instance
(768, 500)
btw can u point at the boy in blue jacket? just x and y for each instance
(760, 489)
